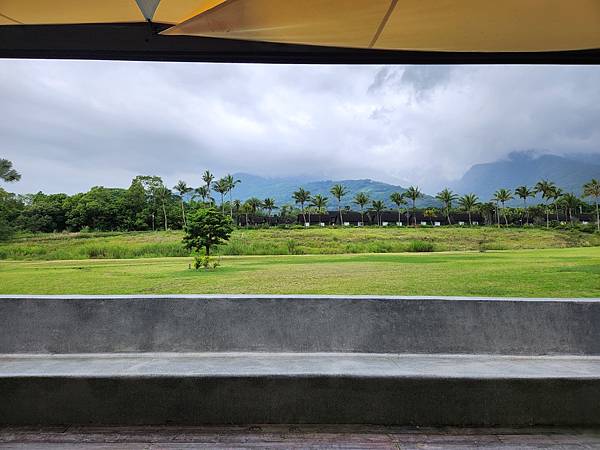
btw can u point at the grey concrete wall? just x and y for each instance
(298, 324)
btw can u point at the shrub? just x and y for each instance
(420, 246)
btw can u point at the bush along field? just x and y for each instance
(293, 241)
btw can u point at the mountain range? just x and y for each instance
(527, 168)
(518, 168)
(281, 189)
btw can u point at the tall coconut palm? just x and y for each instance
(545, 188)
(237, 205)
(556, 195)
(592, 189)
(398, 199)
(502, 196)
(269, 205)
(414, 193)
(447, 197)
(468, 203)
(320, 203)
(162, 194)
(208, 178)
(378, 206)
(7, 173)
(361, 199)
(339, 191)
(254, 204)
(570, 202)
(220, 186)
(231, 183)
(301, 197)
(523, 192)
(182, 190)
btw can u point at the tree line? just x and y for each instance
(148, 204)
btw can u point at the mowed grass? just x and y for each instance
(571, 272)
(276, 241)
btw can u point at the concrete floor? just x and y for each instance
(295, 437)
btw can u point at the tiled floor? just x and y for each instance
(294, 437)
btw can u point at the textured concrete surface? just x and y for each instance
(298, 388)
(74, 324)
(296, 437)
(299, 364)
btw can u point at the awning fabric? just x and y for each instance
(422, 25)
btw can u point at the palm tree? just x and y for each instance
(469, 202)
(414, 193)
(208, 178)
(230, 182)
(203, 192)
(523, 192)
(301, 196)
(571, 202)
(221, 187)
(503, 196)
(378, 206)
(430, 214)
(546, 188)
(162, 194)
(269, 205)
(253, 205)
(447, 197)
(182, 189)
(338, 191)
(398, 199)
(556, 195)
(319, 202)
(7, 173)
(361, 199)
(592, 189)
(237, 205)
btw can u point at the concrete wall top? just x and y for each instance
(297, 323)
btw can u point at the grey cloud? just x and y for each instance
(70, 125)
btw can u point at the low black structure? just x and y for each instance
(299, 359)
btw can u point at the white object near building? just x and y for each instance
(584, 222)
(461, 223)
(399, 224)
(322, 224)
(307, 224)
(360, 224)
(437, 224)
(423, 223)
(475, 223)
(346, 224)
(385, 224)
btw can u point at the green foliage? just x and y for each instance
(7, 173)
(205, 262)
(420, 247)
(206, 228)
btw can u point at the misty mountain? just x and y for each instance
(281, 189)
(527, 168)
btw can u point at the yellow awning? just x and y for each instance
(56, 12)
(435, 25)
(428, 25)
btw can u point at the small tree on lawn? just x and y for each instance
(206, 228)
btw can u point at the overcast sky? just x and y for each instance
(69, 125)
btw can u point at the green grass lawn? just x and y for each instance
(276, 241)
(573, 272)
